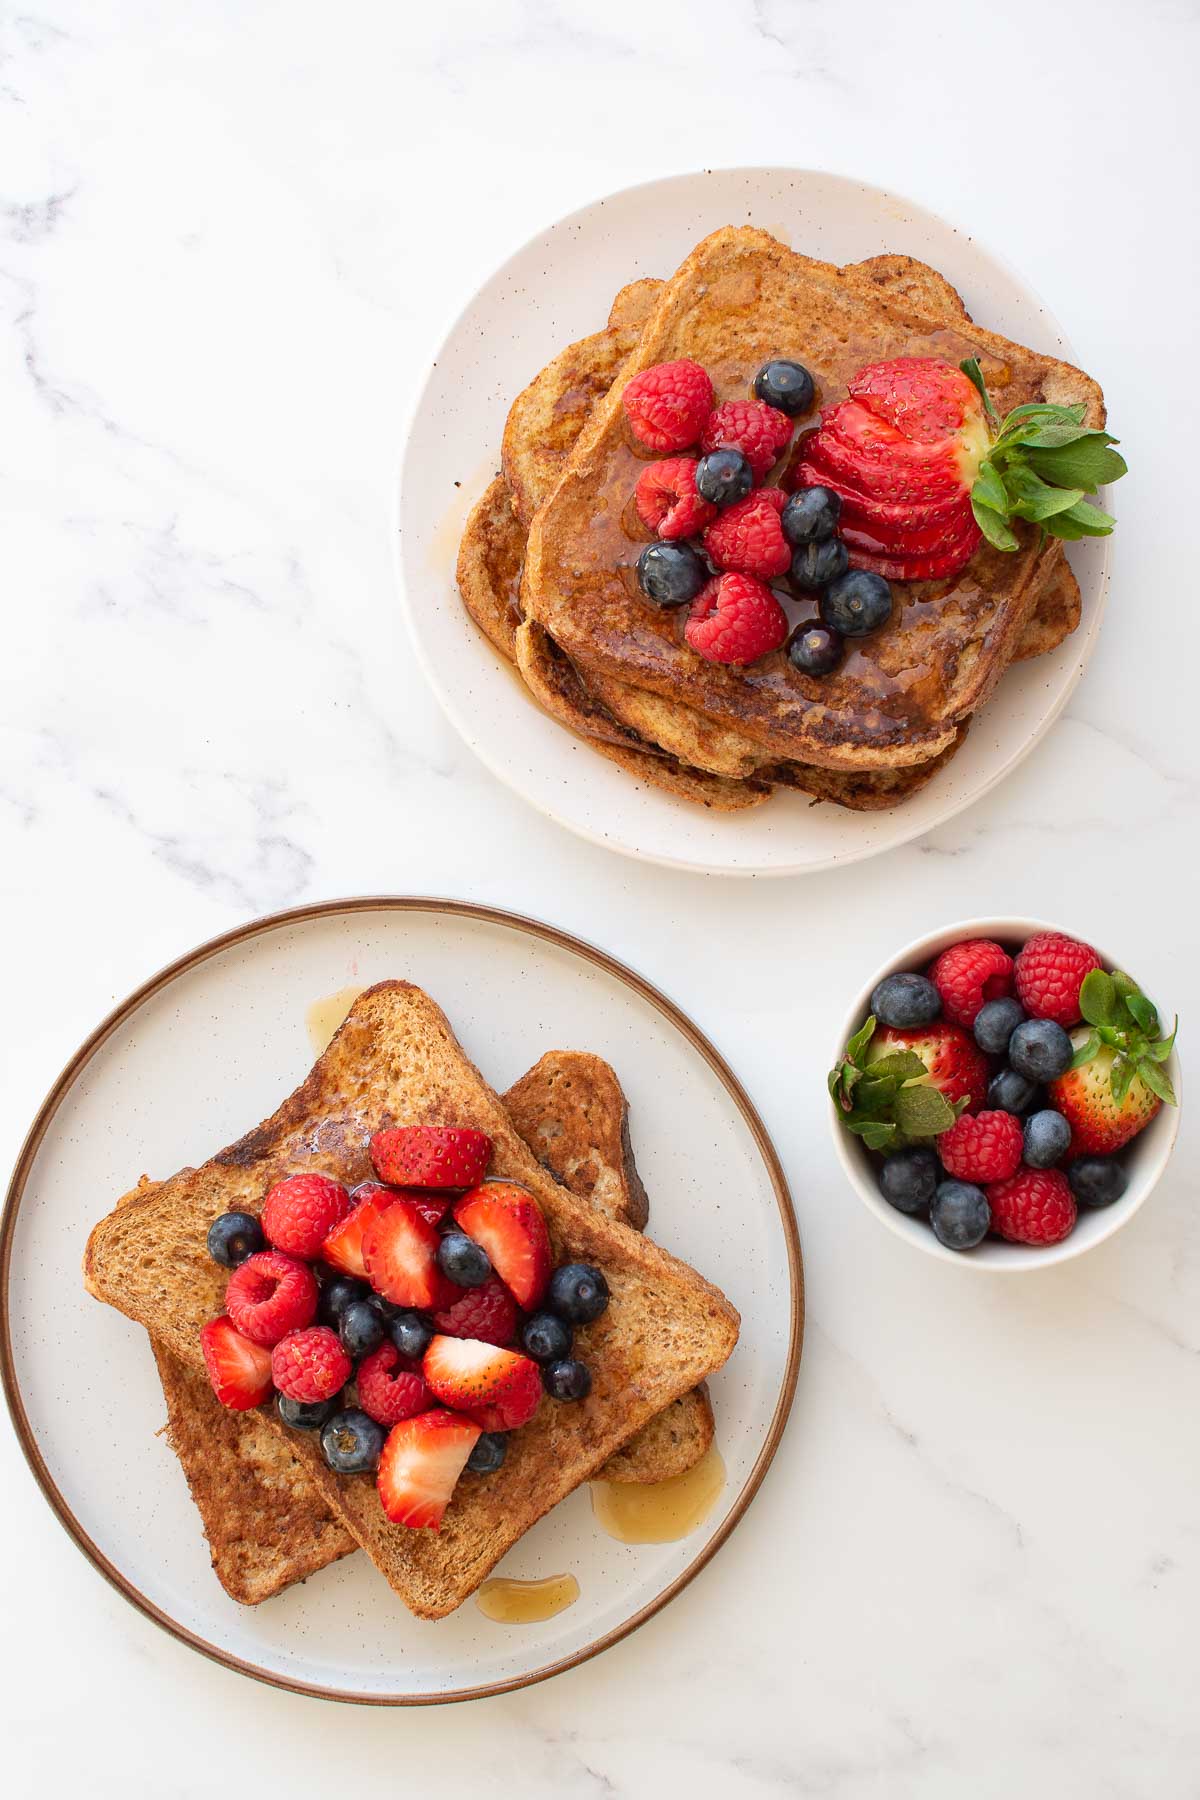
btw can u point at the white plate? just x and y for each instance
(202, 1053)
(559, 287)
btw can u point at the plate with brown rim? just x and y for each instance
(205, 1049)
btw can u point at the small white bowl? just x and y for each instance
(1144, 1159)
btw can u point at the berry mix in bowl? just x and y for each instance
(1004, 1090)
(411, 1323)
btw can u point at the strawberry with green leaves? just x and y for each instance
(901, 1086)
(1117, 1081)
(926, 469)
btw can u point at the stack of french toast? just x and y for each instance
(272, 1508)
(547, 563)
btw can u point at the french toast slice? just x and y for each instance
(900, 698)
(266, 1524)
(396, 1059)
(624, 722)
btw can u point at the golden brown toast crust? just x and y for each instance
(572, 1112)
(396, 1060)
(735, 301)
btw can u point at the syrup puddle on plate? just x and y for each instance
(324, 1016)
(511, 1602)
(660, 1512)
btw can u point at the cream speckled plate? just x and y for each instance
(559, 287)
(203, 1052)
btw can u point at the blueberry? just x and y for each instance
(462, 1260)
(351, 1442)
(1097, 1180)
(815, 564)
(907, 1180)
(488, 1453)
(546, 1338)
(233, 1237)
(723, 476)
(904, 1000)
(337, 1294)
(811, 515)
(960, 1215)
(577, 1293)
(1010, 1092)
(995, 1023)
(567, 1380)
(815, 649)
(786, 385)
(1040, 1050)
(1047, 1135)
(857, 603)
(304, 1415)
(360, 1328)
(670, 574)
(411, 1334)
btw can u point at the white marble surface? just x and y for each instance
(230, 237)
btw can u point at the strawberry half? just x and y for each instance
(399, 1252)
(954, 1063)
(499, 1389)
(342, 1249)
(240, 1372)
(1117, 1081)
(926, 469)
(420, 1466)
(431, 1156)
(507, 1220)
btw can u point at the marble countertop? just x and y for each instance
(230, 239)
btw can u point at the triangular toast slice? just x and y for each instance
(396, 1060)
(266, 1525)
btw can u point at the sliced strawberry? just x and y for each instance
(913, 568)
(957, 537)
(925, 397)
(431, 1156)
(342, 1249)
(432, 1207)
(872, 456)
(860, 509)
(420, 1465)
(499, 1389)
(399, 1251)
(507, 1220)
(240, 1371)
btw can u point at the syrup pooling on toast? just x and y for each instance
(325, 1016)
(660, 1512)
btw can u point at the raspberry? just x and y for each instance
(667, 500)
(487, 1313)
(982, 1147)
(759, 431)
(1035, 1206)
(735, 619)
(310, 1365)
(1049, 974)
(270, 1295)
(748, 536)
(299, 1213)
(389, 1388)
(667, 405)
(968, 974)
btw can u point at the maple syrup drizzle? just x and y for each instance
(324, 1016)
(660, 1512)
(511, 1602)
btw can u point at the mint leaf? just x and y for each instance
(1087, 1050)
(992, 525)
(1087, 464)
(1099, 999)
(923, 1111)
(974, 374)
(1156, 1080)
